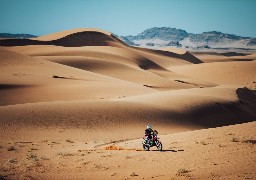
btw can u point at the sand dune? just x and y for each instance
(72, 38)
(209, 107)
(134, 69)
(174, 54)
(209, 57)
(238, 73)
(171, 111)
(59, 35)
(75, 104)
(125, 63)
(70, 137)
(36, 80)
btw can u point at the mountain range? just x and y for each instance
(158, 37)
(20, 36)
(165, 36)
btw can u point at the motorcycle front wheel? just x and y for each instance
(145, 147)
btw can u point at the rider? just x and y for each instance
(149, 132)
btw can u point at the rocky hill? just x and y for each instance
(165, 36)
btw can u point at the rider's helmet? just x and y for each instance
(149, 126)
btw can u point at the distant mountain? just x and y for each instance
(124, 39)
(165, 36)
(20, 36)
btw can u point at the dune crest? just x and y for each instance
(59, 35)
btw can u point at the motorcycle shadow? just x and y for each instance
(169, 150)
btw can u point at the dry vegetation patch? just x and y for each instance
(65, 154)
(12, 148)
(250, 141)
(183, 172)
(69, 141)
(235, 140)
(113, 148)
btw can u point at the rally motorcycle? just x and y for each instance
(148, 143)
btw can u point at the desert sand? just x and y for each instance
(75, 104)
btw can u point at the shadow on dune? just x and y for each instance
(146, 64)
(23, 42)
(187, 56)
(13, 86)
(208, 115)
(67, 78)
(229, 54)
(247, 99)
(243, 59)
(85, 39)
(219, 114)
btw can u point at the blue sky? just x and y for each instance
(128, 17)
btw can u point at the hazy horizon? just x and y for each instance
(128, 17)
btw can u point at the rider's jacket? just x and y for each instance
(148, 132)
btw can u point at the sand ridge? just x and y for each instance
(59, 35)
(70, 38)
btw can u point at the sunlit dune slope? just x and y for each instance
(238, 72)
(25, 79)
(209, 57)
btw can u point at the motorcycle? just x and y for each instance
(148, 143)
